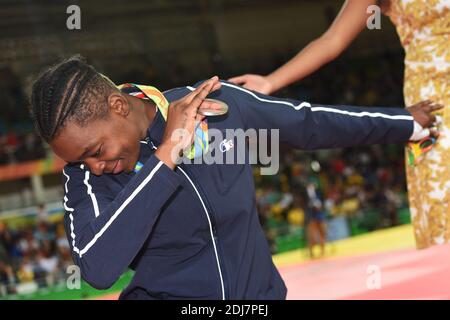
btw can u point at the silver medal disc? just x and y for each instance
(214, 112)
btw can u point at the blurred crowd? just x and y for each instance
(317, 186)
(37, 253)
(18, 141)
(16, 148)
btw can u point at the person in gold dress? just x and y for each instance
(423, 27)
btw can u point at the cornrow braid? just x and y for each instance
(70, 90)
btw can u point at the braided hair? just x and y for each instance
(70, 90)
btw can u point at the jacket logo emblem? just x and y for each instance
(226, 145)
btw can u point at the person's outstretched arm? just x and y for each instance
(348, 24)
(312, 126)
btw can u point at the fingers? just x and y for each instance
(216, 86)
(424, 112)
(432, 118)
(238, 80)
(196, 99)
(429, 108)
(208, 104)
(436, 107)
(252, 87)
(192, 103)
(210, 82)
(201, 96)
(429, 105)
(424, 102)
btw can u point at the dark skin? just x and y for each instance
(107, 140)
(113, 143)
(423, 113)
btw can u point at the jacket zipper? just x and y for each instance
(212, 228)
(213, 233)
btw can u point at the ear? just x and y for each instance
(118, 104)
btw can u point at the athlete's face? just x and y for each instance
(108, 145)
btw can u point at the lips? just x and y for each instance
(117, 167)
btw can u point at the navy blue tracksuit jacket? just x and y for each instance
(193, 232)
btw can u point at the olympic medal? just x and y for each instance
(214, 112)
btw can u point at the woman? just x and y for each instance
(190, 229)
(424, 30)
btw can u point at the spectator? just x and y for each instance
(42, 213)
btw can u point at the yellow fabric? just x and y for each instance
(424, 30)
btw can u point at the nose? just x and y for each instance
(97, 167)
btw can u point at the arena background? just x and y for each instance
(175, 43)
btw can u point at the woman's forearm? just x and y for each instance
(350, 21)
(312, 57)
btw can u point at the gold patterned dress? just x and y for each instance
(424, 30)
